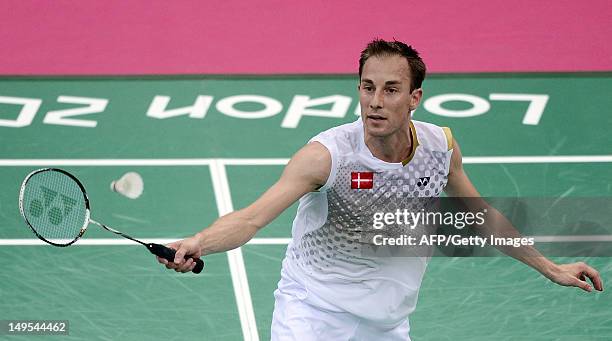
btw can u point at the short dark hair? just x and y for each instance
(380, 47)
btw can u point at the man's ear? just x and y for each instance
(415, 98)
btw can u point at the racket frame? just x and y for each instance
(22, 208)
(157, 249)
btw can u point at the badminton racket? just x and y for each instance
(55, 206)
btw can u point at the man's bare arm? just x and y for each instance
(497, 225)
(307, 170)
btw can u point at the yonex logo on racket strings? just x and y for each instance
(54, 214)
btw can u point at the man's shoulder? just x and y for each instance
(346, 129)
(422, 125)
(345, 135)
(433, 136)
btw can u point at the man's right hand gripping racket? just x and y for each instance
(55, 206)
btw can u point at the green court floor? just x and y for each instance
(196, 167)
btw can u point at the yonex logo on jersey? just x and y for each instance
(423, 181)
(362, 180)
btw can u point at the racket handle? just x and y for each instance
(168, 254)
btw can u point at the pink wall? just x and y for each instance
(282, 36)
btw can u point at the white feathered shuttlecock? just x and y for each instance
(129, 185)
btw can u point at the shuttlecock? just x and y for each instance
(129, 185)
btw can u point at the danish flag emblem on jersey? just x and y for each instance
(362, 180)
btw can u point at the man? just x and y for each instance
(330, 289)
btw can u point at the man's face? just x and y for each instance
(385, 96)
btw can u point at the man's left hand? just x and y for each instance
(575, 275)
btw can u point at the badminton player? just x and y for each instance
(329, 289)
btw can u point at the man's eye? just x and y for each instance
(391, 90)
(368, 88)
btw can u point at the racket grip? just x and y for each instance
(168, 254)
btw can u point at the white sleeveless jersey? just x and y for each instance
(325, 255)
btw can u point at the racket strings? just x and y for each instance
(54, 205)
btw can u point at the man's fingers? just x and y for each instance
(582, 285)
(179, 257)
(185, 267)
(187, 264)
(594, 276)
(598, 283)
(180, 263)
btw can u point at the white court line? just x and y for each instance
(538, 159)
(84, 241)
(254, 162)
(235, 259)
(123, 241)
(267, 241)
(576, 238)
(282, 161)
(105, 162)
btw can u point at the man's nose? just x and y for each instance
(377, 100)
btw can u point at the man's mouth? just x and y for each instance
(376, 117)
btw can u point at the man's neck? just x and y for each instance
(394, 148)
